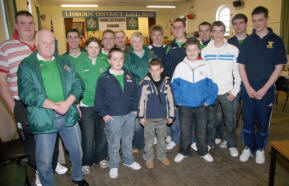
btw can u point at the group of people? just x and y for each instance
(109, 97)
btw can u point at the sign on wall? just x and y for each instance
(131, 23)
(91, 24)
(112, 23)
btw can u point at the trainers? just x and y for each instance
(103, 164)
(113, 173)
(218, 141)
(224, 144)
(149, 164)
(135, 151)
(168, 139)
(81, 182)
(234, 152)
(60, 169)
(260, 157)
(208, 158)
(179, 157)
(85, 169)
(194, 146)
(171, 145)
(165, 162)
(134, 166)
(155, 140)
(245, 155)
(37, 180)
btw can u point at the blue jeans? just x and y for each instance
(138, 137)
(45, 144)
(120, 128)
(94, 144)
(175, 129)
(220, 122)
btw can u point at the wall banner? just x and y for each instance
(92, 24)
(88, 14)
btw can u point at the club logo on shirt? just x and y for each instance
(66, 68)
(101, 70)
(270, 44)
(128, 76)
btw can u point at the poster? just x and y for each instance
(131, 23)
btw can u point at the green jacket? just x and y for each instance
(89, 75)
(32, 93)
(137, 66)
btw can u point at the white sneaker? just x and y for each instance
(260, 157)
(234, 152)
(224, 144)
(103, 164)
(179, 157)
(155, 140)
(85, 169)
(60, 169)
(194, 146)
(168, 139)
(113, 173)
(171, 145)
(218, 141)
(37, 180)
(245, 155)
(134, 166)
(208, 158)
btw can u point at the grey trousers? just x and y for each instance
(152, 127)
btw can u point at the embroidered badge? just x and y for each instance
(128, 76)
(66, 68)
(101, 70)
(270, 44)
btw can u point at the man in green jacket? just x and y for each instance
(49, 86)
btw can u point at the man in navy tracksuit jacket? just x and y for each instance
(261, 60)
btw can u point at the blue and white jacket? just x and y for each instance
(153, 103)
(192, 84)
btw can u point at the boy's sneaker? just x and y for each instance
(171, 145)
(179, 157)
(155, 140)
(103, 164)
(168, 139)
(224, 144)
(149, 164)
(245, 155)
(208, 157)
(218, 141)
(37, 180)
(194, 146)
(234, 152)
(134, 166)
(260, 157)
(165, 162)
(113, 173)
(85, 169)
(60, 169)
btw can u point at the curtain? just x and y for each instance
(10, 11)
(284, 24)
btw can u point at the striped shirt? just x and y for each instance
(12, 52)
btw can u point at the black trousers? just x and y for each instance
(189, 118)
(20, 114)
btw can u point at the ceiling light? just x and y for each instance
(79, 5)
(160, 6)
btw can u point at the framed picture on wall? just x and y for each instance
(80, 27)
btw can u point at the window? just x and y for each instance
(223, 14)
